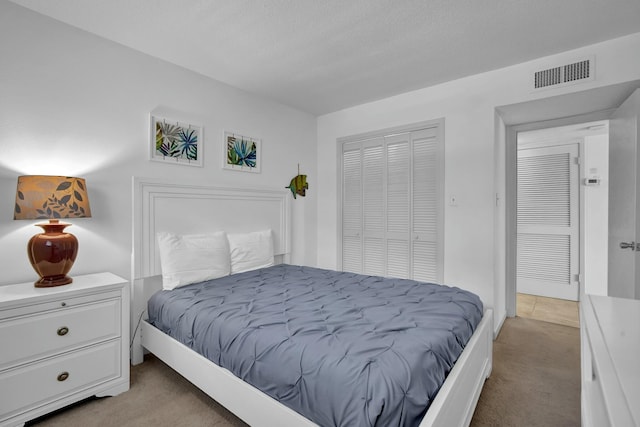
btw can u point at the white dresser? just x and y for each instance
(62, 344)
(610, 349)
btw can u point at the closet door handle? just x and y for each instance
(628, 245)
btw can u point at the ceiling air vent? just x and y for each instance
(565, 74)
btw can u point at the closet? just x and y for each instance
(391, 212)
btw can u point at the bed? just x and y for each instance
(184, 209)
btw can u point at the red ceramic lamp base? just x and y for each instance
(52, 254)
(51, 281)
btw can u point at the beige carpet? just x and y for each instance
(535, 379)
(535, 382)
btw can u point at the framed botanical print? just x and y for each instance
(241, 152)
(176, 142)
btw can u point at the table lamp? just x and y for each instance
(53, 252)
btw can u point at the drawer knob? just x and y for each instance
(63, 376)
(63, 331)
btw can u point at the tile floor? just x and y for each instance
(548, 309)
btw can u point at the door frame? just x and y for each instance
(511, 197)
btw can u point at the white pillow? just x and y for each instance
(250, 251)
(192, 258)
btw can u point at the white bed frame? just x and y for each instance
(185, 208)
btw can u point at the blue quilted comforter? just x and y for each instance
(342, 349)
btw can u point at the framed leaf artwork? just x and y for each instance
(176, 142)
(241, 153)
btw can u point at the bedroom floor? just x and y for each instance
(561, 312)
(535, 381)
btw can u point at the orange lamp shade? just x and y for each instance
(53, 252)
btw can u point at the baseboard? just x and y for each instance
(498, 327)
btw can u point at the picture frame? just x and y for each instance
(176, 142)
(241, 152)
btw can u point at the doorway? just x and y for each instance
(554, 111)
(562, 198)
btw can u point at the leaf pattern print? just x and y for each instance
(188, 143)
(167, 137)
(175, 140)
(241, 152)
(66, 201)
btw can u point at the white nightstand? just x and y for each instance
(63, 344)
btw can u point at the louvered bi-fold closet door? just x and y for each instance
(392, 193)
(548, 222)
(398, 204)
(373, 207)
(363, 210)
(427, 223)
(352, 207)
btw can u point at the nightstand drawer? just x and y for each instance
(36, 384)
(27, 338)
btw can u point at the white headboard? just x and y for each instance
(185, 208)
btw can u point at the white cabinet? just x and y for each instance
(62, 344)
(610, 344)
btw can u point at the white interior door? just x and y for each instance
(352, 208)
(373, 202)
(398, 204)
(548, 229)
(428, 210)
(624, 182)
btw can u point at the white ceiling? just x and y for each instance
(325, 55)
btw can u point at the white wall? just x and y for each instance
(474, 146)
(75, 104)
(596, 215)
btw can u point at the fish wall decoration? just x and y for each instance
(298, 184)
